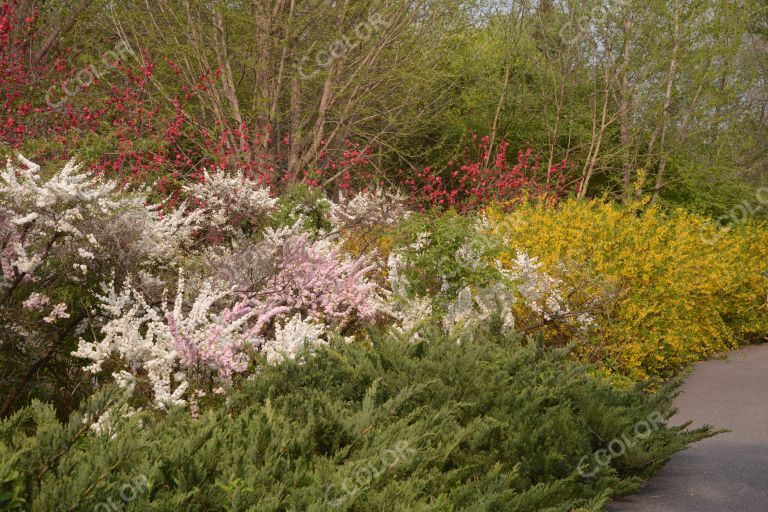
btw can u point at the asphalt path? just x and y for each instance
(727, 472)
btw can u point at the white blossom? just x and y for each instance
(291, 338)
(369, 209)
(472, 309)
(542, 293)
(228, 199)
(75, 213)
(138, 335)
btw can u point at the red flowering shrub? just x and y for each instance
(480, 180)
(17, 77)
(127, 115)
(489, 179)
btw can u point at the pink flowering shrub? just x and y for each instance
(201, 346)
(314, 278)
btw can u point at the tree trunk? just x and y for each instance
(671, 74)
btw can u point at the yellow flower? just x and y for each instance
(677, 289)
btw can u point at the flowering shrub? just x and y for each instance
(315, 288)
(448, 265)
(472, 309)
(232, 204)
(260, 285)
(548, 303)
(437, 254)
(369, 209)
(291, 338)
(201, 345)
(70, 212)
(488, 179)
(661, 295)
(258, 288)
(315, 278)
(59, 236)
(17, 75)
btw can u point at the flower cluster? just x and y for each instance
(277, 293)
(60, 234)
(314, 289)
(84, 215)
(542, 294)
(293, 337)
(137, 334)
(539, 290)
(37, 215)
(169, 345)
(489, 178)
(315, 278)
(366, 209)
(231, 201)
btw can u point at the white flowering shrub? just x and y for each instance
(474, 309)
(163, 348)
(367, 209)
(545, 296)
(233, 205)
(275, 293)
(42, 217)
(444, 271)
(204, 343)
(61, 233)
(147, 235)
(293, 337)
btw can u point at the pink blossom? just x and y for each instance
(36, 302)
(59, 311)
(315, 279)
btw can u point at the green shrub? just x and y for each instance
(489, 424)
(443, 252)
(300, 202)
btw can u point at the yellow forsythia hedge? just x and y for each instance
(670, 287)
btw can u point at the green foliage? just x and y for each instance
(714, 193)
(436, 425)
(448, 255)
(301, 202)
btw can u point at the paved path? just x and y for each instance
(728, 472)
